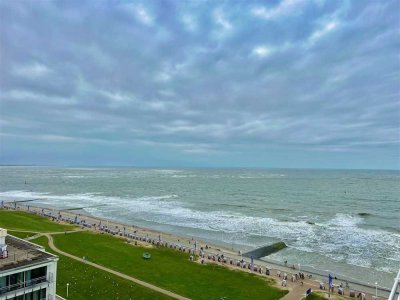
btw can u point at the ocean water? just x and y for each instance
(341, 221)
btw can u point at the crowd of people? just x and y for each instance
(204, 253)
(133, 234)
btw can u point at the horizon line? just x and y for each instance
(195, 167)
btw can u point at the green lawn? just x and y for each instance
(87, 282)
(324, 296)
(17, 220)
(315, 296)
(168, 268)
(21, 234)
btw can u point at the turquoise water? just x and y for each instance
(345, 222)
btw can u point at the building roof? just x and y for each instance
(22, 253)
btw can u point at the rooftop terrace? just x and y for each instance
(22, 253)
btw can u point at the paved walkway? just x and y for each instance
(296, 293)
(296, 290)
(135, 280)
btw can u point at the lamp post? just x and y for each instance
(67, 289)
(376, 290)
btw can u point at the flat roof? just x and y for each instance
(22, 253)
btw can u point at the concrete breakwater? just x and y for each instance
(265, 250)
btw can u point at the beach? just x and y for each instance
(343, 222)
(339, 222)
(210, 252)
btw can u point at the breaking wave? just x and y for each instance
(341, 238)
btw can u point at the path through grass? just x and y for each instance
(87, 282)
(167, 268)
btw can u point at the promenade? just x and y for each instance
(210, 252)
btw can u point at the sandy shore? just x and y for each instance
(132, 231)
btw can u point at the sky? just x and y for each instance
(268, 84)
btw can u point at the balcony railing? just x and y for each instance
(26, 284)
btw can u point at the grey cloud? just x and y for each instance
(175, 73)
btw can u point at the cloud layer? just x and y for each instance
(208, 83)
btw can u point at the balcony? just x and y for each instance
(22, 285)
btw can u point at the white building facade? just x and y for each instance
(27, 272)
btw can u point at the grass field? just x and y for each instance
(168, 268)
(87, 282)
(21, 234)
(324, 296)
(315, 296)
(16, 220)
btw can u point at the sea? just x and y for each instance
(345, 222)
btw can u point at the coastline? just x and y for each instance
(123, 230)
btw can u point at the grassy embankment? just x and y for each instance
(87, 282)
(167, 268)
(21, 221)
(324, 296)
(21, 234)
(315, 296)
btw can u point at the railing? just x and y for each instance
(22, 285)
(395, 287)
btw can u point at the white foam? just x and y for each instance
(342, 238)
(345, 220)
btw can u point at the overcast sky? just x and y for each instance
(282, 83)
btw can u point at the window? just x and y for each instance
(36, 295)
(39, 272)
(15, 281)
(3, 281)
